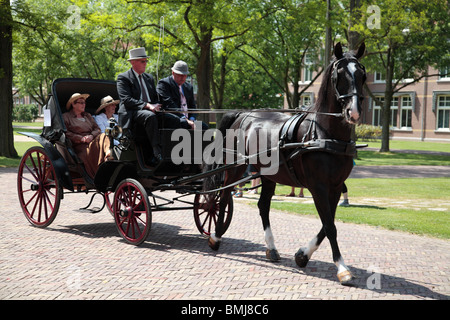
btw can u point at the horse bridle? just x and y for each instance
(334, 77)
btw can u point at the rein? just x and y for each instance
(215, 111)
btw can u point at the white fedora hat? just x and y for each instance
(138, 53)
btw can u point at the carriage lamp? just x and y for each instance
(114, 130)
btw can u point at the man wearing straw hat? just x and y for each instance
(139, 100)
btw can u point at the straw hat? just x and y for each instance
(180, 67)
(74, 97)
(138, 53)
(106, 101)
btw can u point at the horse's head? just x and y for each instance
(348, 77)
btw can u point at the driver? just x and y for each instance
(139, 100)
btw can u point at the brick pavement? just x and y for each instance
(81, 256)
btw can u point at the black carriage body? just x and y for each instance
(71, 169)
(45, 171)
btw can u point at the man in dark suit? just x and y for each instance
(178, 95)
(139, 100)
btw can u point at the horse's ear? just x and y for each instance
(361, 50)
(338, 51)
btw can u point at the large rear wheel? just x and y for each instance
(38, 187)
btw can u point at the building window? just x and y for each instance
(406, 112)
(444, 74)
(394, 113)
(308, 69)
(379, 77)
(305, 100)
(443, 113)
(377, 112)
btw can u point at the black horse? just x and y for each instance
(314, 150)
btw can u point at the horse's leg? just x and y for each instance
(267, 191)
(304, 254)
(214, 239)
(326, 207)
(230, 177)
(344, 275)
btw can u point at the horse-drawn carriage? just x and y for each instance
(48, 172)
(314, 150)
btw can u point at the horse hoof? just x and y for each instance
(273, 255)
(213, 244)
(301, 259)
(345, 277)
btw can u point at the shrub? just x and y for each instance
(368, 132)
(25, 112)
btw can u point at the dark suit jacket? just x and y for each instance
(129, 91)
(169, 94)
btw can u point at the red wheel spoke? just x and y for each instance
(36, 181)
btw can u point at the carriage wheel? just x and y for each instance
(38, 187)
(132, 211)
(206, 213)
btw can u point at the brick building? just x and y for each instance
(420, 111)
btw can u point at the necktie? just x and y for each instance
(183, 102)
(144, 93)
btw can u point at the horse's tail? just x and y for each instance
(215, 181)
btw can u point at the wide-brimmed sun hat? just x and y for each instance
(74, 97)
(138, 53)
(180, 67)
(106, 101)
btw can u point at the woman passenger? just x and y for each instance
(105, 112)
(89, 143)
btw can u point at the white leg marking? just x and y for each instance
(312, 246)
(341, 266)
(216, 239)
(270, 241)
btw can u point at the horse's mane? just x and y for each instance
(322, 95)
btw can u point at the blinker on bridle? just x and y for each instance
(334, 77)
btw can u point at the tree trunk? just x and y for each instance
(386, 108)
(203, 73)
(6, 97)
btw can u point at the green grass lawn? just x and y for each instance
(375, 158)
(421, 222)
(411, 145)
(412, 218)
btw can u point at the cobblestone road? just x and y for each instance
(81, 256)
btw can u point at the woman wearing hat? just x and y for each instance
(105, 112)
(89, 143)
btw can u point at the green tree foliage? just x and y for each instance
(403, 38)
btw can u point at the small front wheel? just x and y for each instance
(206, 213)
(38, 187)
(132, 211)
